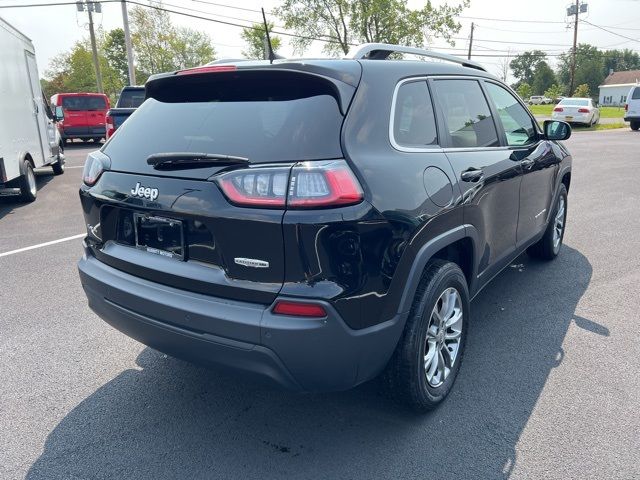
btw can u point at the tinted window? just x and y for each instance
(636, 94)
(131, 98)
(575, 102)
(262, 130)
(414, 123)
(466, 113)
(516, 122)
(84, 103)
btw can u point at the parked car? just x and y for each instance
(84, 115)
(539, 100)
(318, 223)
(577, 110)
(28, 137)
(130, 99)
(632, 108)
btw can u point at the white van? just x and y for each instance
(28, 136)
(632, 108)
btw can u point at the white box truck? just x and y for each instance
(28, 136)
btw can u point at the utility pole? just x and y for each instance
(127, 41)
(470, 41)
(575, 10)
(91, 7)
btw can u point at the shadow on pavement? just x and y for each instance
(169, 419)
(12, 204)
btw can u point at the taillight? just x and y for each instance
(626, 107)
(96, 163)
(306, 185)
(558, 109)
(299, 309)
(323, 184)
(583, 110)
(110, 126)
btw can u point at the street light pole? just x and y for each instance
(127, 41)
(94, 48)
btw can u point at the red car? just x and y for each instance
(84, 115)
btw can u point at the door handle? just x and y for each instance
(472, 175)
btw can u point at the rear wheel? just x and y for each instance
(635, 125)
(58, 167)
(28, 186)
(427, 358)
(96, 139)
(548, 247)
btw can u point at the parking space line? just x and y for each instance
(40, 245)
(73, 166)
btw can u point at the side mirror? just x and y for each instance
(556, 130)
(59, 114)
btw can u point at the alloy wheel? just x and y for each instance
(558, 224)
(443, 338)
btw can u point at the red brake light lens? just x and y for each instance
(626, 107)
(110, 127)
(583, 110)
(299, 309)
(306, 185)
(208, 69)
(323, 184)
(558, 109)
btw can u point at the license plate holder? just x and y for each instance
(568, 117)
(160, 235)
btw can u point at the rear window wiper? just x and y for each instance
(186, 160)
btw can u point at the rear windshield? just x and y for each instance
(131, 98)
(84, 103)
(265, 121)
(636, 94)
(575, 102)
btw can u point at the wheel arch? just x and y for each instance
(457, 245)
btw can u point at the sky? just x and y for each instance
(501, 27)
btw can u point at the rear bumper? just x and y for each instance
(634, 118)
(295, 353)
(578, 118)
(83, 132)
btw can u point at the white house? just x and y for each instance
(616, 87)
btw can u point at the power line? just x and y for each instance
(507, 20)
(609, 31)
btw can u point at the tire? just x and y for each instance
(97, 139)
(28, 186)
(58, 167)
(635, 126)
(406, 377)
(548, 247)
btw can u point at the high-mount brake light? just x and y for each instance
(299, 309)
(209, 69)
(321, 184)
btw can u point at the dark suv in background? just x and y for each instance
(320, 222)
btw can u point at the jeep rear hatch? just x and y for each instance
(159, 210)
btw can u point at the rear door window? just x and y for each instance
(414, 123)
(515, 120)
(84, 103)
(466, 113)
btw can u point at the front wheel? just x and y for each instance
(548, 247)
(427, 359)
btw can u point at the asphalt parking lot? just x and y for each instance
(550, 385)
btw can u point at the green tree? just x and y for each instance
(582, 90)
(524, 90)
(115, 52)
(543, 78)
(345, 22)
(589, 67)
(554, 91)
(159, 46)
(620, 60)
(524, 65)
(255, 37)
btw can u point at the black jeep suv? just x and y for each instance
(319, 222)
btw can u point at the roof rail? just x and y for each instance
(381, 51)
